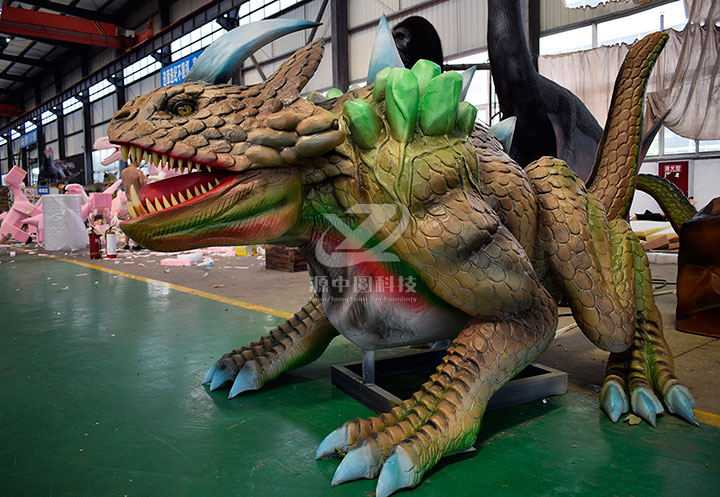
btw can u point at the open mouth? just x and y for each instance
(192, 183)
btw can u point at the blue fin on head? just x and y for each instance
(385, 52)
(221, 58)
(504, 131)
(467, 76)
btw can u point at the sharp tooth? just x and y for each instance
(172, 162)
(197, 192)
(150, 207)
(164, 160)
(217, 182)
(131, 211)
(154, 159)
(134, 197)
(210, 186)
(173, 200)
(180, 196)
(165, 202)
(157, 205)
(125, 152)
(202, 189)
(181, 162)
(209, 169)
(189, 195)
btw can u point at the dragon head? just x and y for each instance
(239, 150)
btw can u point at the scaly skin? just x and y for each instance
(671, 199)
(488, 246)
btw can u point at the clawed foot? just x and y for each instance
(649, 382)
(244, 374)
(400, 446)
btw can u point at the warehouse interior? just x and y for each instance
(103, 356)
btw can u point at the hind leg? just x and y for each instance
(645, 372)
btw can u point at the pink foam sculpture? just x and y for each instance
(21, 213)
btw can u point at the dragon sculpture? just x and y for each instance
(465, 244)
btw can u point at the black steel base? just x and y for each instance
(397, 377)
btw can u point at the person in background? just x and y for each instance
(132, 177)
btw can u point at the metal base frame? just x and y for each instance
(535, 382)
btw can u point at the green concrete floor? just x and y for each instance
(100, 395)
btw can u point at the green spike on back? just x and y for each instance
(439, 105)
(425, 70)
(402, 98)
(466, 115)
(380, 83)
(334, 93)
(364, 123)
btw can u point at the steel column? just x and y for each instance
(60, 118)
(87, 126)
(340, 53)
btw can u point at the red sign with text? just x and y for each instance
(676, 173)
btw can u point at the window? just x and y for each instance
(196, 40)
(633, 27)
(709, 145)
(567, 41)
(71, 105)
(676, 144)
(14, 135)
(140, 69)
(47, 117)
(101, 89)
(29, 126)
(3, 141)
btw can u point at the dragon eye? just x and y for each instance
(184, 108)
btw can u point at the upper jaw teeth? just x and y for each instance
(136, 208)
(133, 153)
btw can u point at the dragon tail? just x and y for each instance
(672, 200)
(612, 180)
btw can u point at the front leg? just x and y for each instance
(444, 417)
(296, 342)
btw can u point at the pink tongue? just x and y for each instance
(179, 184)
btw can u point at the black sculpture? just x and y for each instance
(416, 38)
(550, 119)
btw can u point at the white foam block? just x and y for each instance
(63, 224)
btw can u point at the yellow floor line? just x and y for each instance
(180, 288)
(707, 417)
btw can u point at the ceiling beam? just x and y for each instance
(19, 79)
(90, 15)
(25, 60)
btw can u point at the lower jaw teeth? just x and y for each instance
(136, 208)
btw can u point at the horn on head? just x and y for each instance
(227, 54)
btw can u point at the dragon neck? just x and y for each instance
(509, 54)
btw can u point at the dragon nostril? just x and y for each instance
(122, 114)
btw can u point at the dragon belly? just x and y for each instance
(375, 307)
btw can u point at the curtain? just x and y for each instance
(685, 80)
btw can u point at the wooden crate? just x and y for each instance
(284, 259)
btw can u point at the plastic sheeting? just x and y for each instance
(685, 80)
(64, 227)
